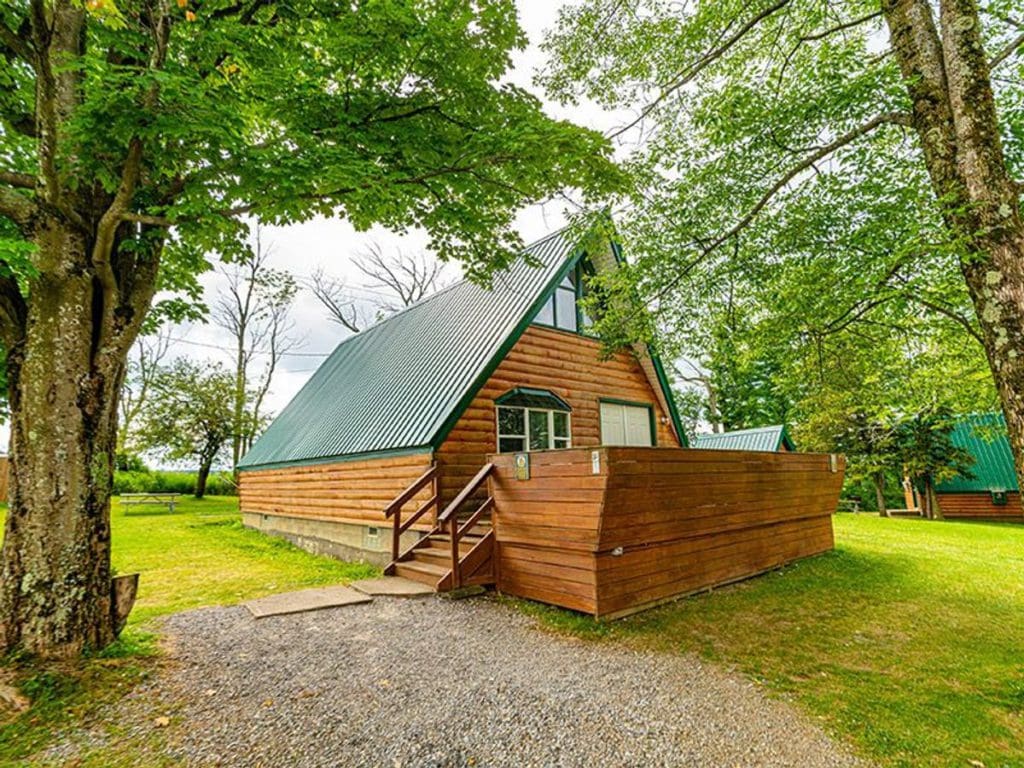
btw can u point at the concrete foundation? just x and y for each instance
(342, 541)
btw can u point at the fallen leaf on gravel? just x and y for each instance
(268, 702)
(161, 722)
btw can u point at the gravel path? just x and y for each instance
(431, 682)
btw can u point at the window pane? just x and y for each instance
(566, 311)
(540, 439)
(511, 421)
(511, 445)
(585, 321)
(559, 443)
(546, 314)
(570, 280)
(561, 424)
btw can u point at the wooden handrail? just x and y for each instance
(403, 498)
(394, 509)
(475, 517)
(457, 532)
(465, 493)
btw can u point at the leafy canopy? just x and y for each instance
(383, 112)
(779, 215)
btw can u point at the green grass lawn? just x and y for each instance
(908, 640)
(201, 555)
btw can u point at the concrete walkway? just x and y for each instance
(319, 598)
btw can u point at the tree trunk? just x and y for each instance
(934, 510)
(878, 480)
(954, 114)
(202, 477)
(55, 597)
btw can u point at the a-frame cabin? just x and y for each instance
(467, 372)
(418, 433)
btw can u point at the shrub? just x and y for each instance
(161, 481)
(130, 462)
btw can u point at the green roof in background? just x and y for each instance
(756, 439)
(399, 385)
(983, 435)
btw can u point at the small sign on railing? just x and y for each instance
(522, 465)
(595, 462)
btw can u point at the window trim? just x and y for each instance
(631, 404)
(526, 427)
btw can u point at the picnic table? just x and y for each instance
(136, 499)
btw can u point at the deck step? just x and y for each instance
(417, 570)
(433, 555)
(444, 545)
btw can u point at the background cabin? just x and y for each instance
(992, 493)
(773, 438)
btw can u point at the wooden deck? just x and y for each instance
(611, 531)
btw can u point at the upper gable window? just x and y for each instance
(562, 309)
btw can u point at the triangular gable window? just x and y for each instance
(563, 308)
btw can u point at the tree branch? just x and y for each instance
(145, 218)
(822, 152)
(15, 179)
(16, 207)
(1006, 52)
(687, 75)
(15, 44)
(952, 315)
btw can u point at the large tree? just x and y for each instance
(758, 118)
(135, 133)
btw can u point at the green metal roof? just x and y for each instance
(402, 383)
(756, 439)
(983, 435)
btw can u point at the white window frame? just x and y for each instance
(526, 427)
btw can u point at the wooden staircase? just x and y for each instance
(459, 549)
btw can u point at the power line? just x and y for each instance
(254, 351)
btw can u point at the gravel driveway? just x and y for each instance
(432, 682)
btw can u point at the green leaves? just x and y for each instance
(383, 112)
(840, 293)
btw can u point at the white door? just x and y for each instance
(625, 425)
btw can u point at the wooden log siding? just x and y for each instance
(685, 520)
(344, 492)
(979, 506)
(564, 363)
